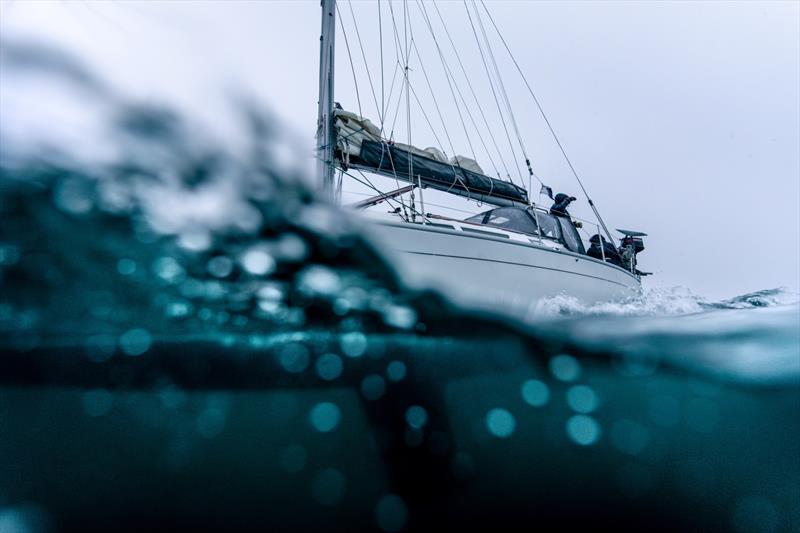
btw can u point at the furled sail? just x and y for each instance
(360, 145)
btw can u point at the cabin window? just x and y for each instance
(512, 219)
(549, 226)
(477, 219)
(571, 238)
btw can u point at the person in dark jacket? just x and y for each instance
(611, 253)
(559, 208)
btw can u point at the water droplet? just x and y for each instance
(582, 399)
(319, 280)
(396, 371)
(328, 486)
(291, 247)
(293, 357)
(168, 269)
(271, 292)
(178, 309)
(391, 513)
(500, 423)
(416, 416)
(195, 240)
(329, 366)
(400, 316)
(353, 344)
(325, 416)
(565, 367)
(73, 196)
(257, 262)
(220, 266)
(373, 387)
(535, 392)
(126, 267)
(135, 341)
(583, 430)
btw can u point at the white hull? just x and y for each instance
(495, 272)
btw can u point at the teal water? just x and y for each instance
(189, 339)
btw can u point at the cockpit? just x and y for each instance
(532, 221)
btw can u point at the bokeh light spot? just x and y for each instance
(391, 513)
(416, 416)
(373, 387)
(354, 344)
(396, 371)
(535, 392)
(329, 366)
(583, 430)
(257, 262)
(126, 267)
(500, 423)
(565, 367)
(325, 416)
(582, 399)
(135, 341)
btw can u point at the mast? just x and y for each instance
(325, 133)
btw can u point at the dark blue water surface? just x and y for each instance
(189, 339)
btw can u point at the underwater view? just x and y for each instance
(192, 337)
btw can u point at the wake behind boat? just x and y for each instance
(507, 257)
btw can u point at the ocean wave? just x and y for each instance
(660, 301)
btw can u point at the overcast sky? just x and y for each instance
(682, 118)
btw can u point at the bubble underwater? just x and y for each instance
(190, 337)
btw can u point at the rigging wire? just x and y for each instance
(450, 75)
(350, 57)
(408, 104)
(547, 121)
(450, 85)
(471, 118)
(412, 43)
(502, 89)
(494, 93)
(472, 90)
(363, 56)
(388, 102)
(436, 105)
(424, 114)
(380, 39)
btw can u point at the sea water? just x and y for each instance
(189, 337)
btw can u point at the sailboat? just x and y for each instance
(509, 256)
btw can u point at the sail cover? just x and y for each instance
(359, 144)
